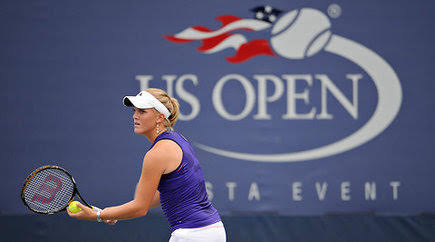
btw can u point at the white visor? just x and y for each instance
(145, 100)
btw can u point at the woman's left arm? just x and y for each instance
(154, 165)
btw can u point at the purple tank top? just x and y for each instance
(183, 196)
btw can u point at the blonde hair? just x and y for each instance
(169, 102)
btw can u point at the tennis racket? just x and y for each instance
(50, 189)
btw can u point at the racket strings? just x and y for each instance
(49, 190)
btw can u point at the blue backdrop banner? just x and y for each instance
(294, 108)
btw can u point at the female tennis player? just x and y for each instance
(171, 176)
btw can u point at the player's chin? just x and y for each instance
(138, 130)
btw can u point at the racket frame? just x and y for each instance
(36, 171)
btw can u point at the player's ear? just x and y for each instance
(160, 117)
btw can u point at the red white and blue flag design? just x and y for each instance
(222, 38)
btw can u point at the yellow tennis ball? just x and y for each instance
(73, 208)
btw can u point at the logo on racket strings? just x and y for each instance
(48, 190)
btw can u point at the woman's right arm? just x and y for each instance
(156, 200)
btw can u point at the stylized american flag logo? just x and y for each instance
(222, 38)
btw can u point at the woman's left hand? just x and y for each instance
(85, 214)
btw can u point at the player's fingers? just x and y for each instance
(81, 205)
(111, 222)
(73, 215)
(84, 208)
(69, 213)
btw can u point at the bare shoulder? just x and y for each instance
(166, 146)
(165, 152)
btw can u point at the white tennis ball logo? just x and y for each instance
(300, 33)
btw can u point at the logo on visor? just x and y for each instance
(296, 35)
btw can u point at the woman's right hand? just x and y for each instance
(111, 222)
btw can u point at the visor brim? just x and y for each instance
(134, 101)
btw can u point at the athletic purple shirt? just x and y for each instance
(183, 196)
